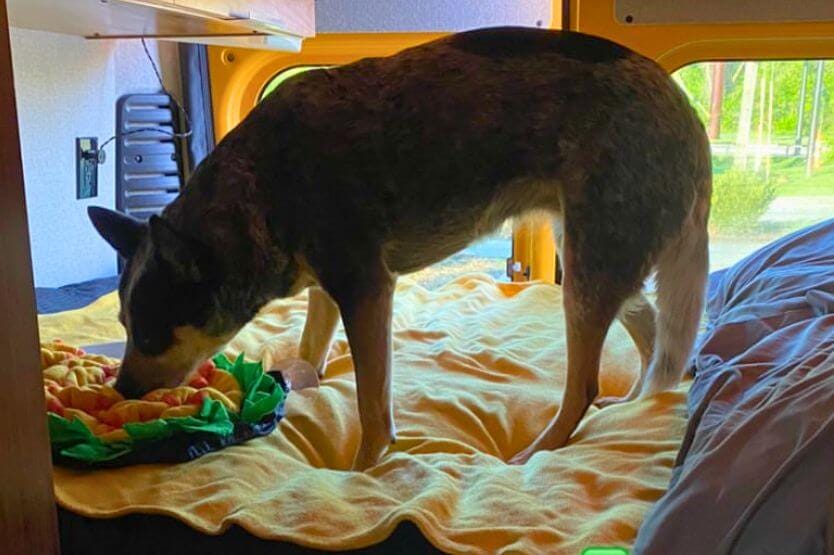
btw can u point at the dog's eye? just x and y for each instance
(142, 342)
(151, 341)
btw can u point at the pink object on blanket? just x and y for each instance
(298, 374)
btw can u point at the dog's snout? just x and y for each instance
(141, 374)
(128, 387)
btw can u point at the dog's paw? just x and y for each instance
(603, 402)
(369, 455)
(522, 457)
(554, 437)
(364, 460)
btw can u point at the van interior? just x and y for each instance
(116, 104)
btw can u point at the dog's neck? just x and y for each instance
(225, 208)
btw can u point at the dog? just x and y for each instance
(346, 177)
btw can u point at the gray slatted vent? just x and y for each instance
(148, 170)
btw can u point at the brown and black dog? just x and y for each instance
(346, 177)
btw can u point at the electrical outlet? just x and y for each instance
(86, 167)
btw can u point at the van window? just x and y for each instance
(276, 80)
(771, 125)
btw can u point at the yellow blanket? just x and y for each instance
(478, 371)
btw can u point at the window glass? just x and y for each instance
(771, 125)
(486, 256)
(276, 81)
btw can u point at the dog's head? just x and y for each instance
(169, 307)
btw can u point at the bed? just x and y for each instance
(756, 460)
(51, 300)
(478, 368)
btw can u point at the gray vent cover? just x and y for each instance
(148, 169)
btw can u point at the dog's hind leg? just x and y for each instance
(681, 286)
(319, 328)
(638, 318)
(591, 302)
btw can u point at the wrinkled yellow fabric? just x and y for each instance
(478, 371)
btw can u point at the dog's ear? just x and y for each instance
(121, 231)
(179, 253)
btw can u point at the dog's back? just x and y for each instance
(427, 150)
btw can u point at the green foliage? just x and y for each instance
(696, 80)
(739, 199)
(696, 84)
(282, 77)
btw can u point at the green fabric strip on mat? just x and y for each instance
(261, 395)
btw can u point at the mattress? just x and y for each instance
(479, 367)
(50, 300)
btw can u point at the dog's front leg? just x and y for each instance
(366, 313)
(319, 328)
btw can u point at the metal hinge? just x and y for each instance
(514, 267)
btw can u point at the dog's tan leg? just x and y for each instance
(319, 328)
(366, 312)
(590, 306)
(585, 334)
(681, 286)
(638, 317)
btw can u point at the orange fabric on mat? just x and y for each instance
(478, 371)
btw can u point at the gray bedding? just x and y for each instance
(755, 473)
(76, 295)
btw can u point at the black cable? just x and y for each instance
(174, 101)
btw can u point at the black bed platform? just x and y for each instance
(160, 535)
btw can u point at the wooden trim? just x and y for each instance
(178, 36)
(28, 523)
(294, 18)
